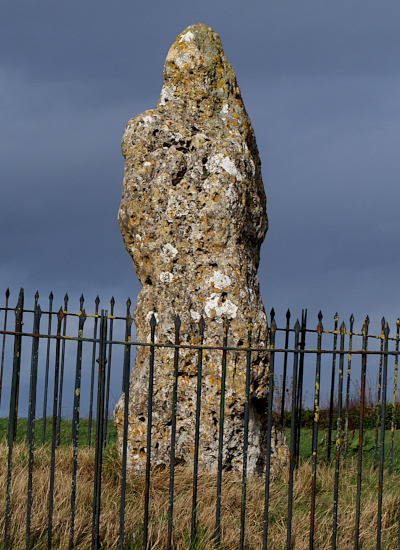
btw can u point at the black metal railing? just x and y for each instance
(74, 342)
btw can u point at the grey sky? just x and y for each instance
(321, 83)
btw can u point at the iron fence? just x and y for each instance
(298, 362)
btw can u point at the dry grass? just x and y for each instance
(231, 500)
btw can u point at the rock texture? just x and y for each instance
(193, 217)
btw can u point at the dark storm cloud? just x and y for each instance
(321, 83)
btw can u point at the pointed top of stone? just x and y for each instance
(197, 61)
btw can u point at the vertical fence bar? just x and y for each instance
(245, 436)
(108, 377)
(32, 380)
(14, 399)
(348, 380)
(98, 459)
(153, 324)
(361, 432)
(31, 418)
(3, 347)
(46, 376)
(96, 312)
(60, 317)
(395, 374)
(333, 373)
(292, 438)
(193, 530)
(12, 418)
(315, 430)
(338, 439)
(300, 382)
(217, 533)
(269, 433)
(75, 424)
(386, 331)
(60, 391)
(378, 400)
(285, 357)
(173, 435)
(125, 389)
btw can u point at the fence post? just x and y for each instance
(217, 534)
(292, 437)
(12, 418)
(125, 390)
(112, 303)
(98, 460)
(46, 377)
(335, 335)
(60, 391)
(386, 331)
(31, 416)
(379, 395)
(96, 312)
(245, 435)
(338, 439)
(269, 432)
(361, 431)
(285, 357)
(60, 316)
(75, 423)
(314, 450)
(4, 340)
(153, 323)
(300, 382)
(197, 429)
(346, 414)
(173, 434)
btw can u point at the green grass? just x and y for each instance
(305, 439)
(65, 431)
(352, 446)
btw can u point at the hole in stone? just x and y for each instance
(148, 280)
(142, 418)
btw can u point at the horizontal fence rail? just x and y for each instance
(61, 373)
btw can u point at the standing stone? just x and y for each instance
(193, 217)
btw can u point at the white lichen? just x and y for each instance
(194, 315)
(168, 251)
(215, 306)
(219, 280)
(187, 37)
(224, 162)
(166, 277)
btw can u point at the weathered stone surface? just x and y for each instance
(193, 217)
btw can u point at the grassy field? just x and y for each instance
(231, 499)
